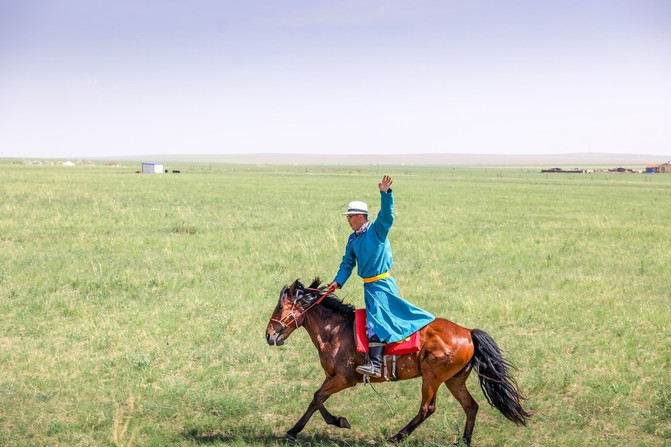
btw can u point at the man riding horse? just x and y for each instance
(389, 318)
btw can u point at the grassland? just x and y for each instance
(133, 307)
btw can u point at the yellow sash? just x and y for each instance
(375, 278)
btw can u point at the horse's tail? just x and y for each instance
(496, 381)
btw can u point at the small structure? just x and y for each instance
(563, 171)
(152, 168)
(664, 168)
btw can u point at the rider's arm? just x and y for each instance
(385, 218)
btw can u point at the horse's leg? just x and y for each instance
(340, 422)
(429, 388)
(330, 386)
(457, 386)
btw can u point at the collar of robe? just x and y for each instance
(363, 229)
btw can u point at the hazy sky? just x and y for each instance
(100, 77)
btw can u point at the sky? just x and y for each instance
(96, 78)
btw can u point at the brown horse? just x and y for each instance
(448, 354)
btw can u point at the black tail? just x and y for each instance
(496, 381)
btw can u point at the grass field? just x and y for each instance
(133, 307)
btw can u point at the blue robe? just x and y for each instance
(391, 317)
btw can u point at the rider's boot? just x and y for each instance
(374, 366)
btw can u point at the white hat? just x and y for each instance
(356, 207)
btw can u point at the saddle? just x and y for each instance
(406, 346)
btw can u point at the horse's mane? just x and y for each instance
(332, 302)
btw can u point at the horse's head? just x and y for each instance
(288, 315)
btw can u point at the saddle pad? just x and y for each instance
(410, 344)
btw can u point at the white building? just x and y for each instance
(152, 168)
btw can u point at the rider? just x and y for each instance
(389, 318)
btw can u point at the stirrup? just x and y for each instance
(373, 367)
(369, 370)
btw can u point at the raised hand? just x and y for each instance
(385, 184)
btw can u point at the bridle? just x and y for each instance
(296, 313)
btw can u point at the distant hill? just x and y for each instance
(577, 159)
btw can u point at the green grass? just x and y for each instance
(133, 307)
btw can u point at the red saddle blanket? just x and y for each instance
(410, 344)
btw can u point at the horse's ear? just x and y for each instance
(283, 295)
(315, 283)
(295, 287)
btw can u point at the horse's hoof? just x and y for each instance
(290, 437)
(394, 439)
(344, 423)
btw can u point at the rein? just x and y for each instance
(295, 314)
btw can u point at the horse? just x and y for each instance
(448, 353)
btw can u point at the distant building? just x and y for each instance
(664, 168)
(562, 171)
(152, 168)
